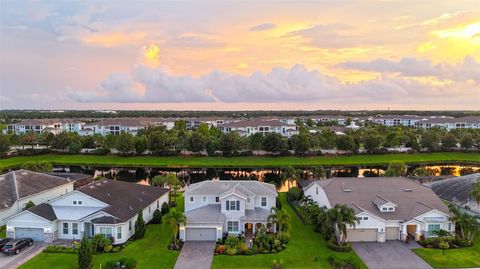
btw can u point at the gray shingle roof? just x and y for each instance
(125, 199)
(106, 220)
(206, 214)
(322, 183)
(210, 187)
(455, 190)
(411, 198)
(44, 210)
(22, 183)
(256, 214)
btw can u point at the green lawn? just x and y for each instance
(454, 258)
(305, 244)
(248, 161)
(149, 252)
(3, 231)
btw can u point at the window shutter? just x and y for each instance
(238, 205)
(226, 203)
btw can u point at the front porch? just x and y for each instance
(251, 228)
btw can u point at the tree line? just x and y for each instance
(157, 140)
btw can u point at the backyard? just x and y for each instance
(453, 258)
(247, 161)
(146, 252)
(304, 248)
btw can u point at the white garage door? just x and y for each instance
(201, 234)
(392, 233)
(34, 233)
(362, 235)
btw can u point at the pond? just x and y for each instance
(193, 175)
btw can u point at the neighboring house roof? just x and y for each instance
(23, 183)
(379, 201)
(125, 199)
(206, 214)
(44, 210)
(305, 184)
(247, 187)
(457, 189)
(71, 176)
(411, 199)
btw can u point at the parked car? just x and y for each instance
(4, 241)
(15, 246)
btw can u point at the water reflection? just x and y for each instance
(143, 175)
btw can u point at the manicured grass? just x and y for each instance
(454, 258)
(248, 161)
(149, 252)
(3, 231)
(304, 246)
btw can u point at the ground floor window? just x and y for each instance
(106, 231)
(75, 228)
(232, 226)
(119, 232)
(65, 228)
(432, 228)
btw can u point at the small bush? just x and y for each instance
(332, 244)
(107, 248)
(277, 264)
(157, 217)
(165, 209)
(340, 263)
(127, 263)
(220, 249)
(99, 242)
(232, 242)
(294, 194)
(59, 249)
(242, 248)
(231, 251)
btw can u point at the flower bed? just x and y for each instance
(263, 243)
(438, 242)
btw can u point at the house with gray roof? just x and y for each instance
(216, 207)
(387, 208)
(250, 127)
(107, 207)
(19, 187)
(456, 190)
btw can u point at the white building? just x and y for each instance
(117, 126)
(107, 207)
(17, 188)
(54, 126)
(250, 127)
(396, 120)
(230, 206)
(449, 123)
(386, 208)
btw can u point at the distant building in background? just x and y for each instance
(194, 123)
(250, 127)
(45, 125)
(396, 120)
(116, 126)
(470, 122)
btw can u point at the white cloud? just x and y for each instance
(469, 69)
(296, 84)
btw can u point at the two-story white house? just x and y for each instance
(17, 188)
(213, 208)
(387, 208)
(250, 127)
(107, 207)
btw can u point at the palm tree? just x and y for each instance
(307, 201)
(475, 192)
(173, 220)
(170, 180)
(281, 218)
(289, 174)
(467, 225)
(341, 217)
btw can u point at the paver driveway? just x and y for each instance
(196, 255)
(13, 261)
(391, 254)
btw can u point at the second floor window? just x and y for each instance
(191, 199)
(232, 205)
(264, 201)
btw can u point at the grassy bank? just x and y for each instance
(248, 161)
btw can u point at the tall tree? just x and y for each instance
(139, 226)
(197, 141)
(467, 225)
(281, 218)
(274, 142)
(173, 220)
(289, 175)
(341, 217)
(85, 254)
(169, 180)
(396, 169)
(125, 143)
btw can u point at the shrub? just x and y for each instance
(127, 263)
(231, 251)
(59, 249)
(157, 217)
(242, 248)
(29, 204)
(277, 264)
(232, 242)
(294, 194)
(165, 209)
(462, 243)
(278, 203)
(84, 256)
(332, 244)
(249, 252)
(220, 249)
(139, 226)
(99, 242)
(107, 248)
(443, 245)
(116, 249)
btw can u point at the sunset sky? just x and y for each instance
(240, 55)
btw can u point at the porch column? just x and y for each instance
(404, 232)
(417, 233)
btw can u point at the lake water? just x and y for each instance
(192, 175)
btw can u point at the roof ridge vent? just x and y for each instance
(407, 190)
(131, 208)
(108, 194)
